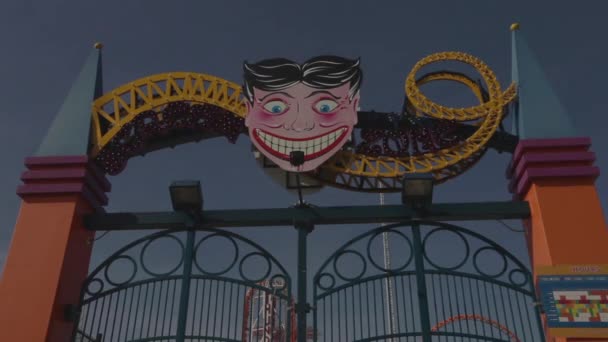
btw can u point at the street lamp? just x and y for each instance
(417, 190)
(186, 196)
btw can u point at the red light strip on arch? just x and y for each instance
(491, 322)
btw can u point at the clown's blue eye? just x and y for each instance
(275, 107)
(326, 106)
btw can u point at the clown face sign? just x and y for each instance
(309, 109)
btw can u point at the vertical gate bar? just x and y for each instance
(527, 312)
(487, 305)
(315, 313)
(94, 314)
(375, 301)
(112, 329)
(143, 313)
(412, 314)
(473, 310)
(185, 288)
(194, 332)
(384, 320)
(249, 314)
(369, 310)
(331, 316)
(288, 310)
(404, 306)
(520, 315)
(222, 308)
(159, 302)
(151, 313)
(339, 315)
(122, 313)
(504, 311)
(302, 306)
(421, 283)
(173, 303)
(396, 304)
(457, 297)
(446, 294)
(346, 313)
(203, 295)
(514, 325)
(166, 305)
(537, 309)
(105, 327)
(216, 303)
(360, 312)
(280, 316)
(130, 313)
(354, 313)
(437, 319)
(229, 308)
(324, 321)
(236, 311)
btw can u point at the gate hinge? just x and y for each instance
(540, 306)
(305, 307)
(71, 312)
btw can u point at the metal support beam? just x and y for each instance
(302, 307)
(313, 215)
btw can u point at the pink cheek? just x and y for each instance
(341, 116)
(261, 117)
(327, 119)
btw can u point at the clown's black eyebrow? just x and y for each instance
(278, 92)
(322, 92)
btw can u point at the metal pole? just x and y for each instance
(388, 283)
(423, 301)
(185, 288)
(302, 305)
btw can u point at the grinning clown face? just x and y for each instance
(313, 113)
(301, 118)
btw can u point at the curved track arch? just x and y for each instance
(122, 105)
(115, 114)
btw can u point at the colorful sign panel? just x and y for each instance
(575, 299)
(299, 115)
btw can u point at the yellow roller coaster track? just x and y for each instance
(346, 163)
(117, 108)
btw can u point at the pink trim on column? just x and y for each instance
(46, 163)
(65, 175)
(55, 161)
(533, 159)
(531, 144)
(529, 175)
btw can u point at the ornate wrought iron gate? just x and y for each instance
(483, 293)
(188, 301)
(467, 298)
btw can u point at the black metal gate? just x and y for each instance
(187, 301)
(476, 292)
(465, 297)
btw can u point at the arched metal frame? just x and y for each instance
(434, 301)
(464, 298)
(187, 301)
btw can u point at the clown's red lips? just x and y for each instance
(312, 147)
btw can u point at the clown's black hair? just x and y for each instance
(323, 72)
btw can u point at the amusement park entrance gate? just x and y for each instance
(480, 292)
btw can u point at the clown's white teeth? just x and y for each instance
(308, 146)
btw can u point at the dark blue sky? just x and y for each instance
(44, 44)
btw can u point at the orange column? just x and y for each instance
(50, 250)
(567, 225)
